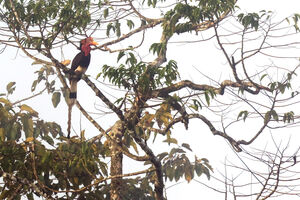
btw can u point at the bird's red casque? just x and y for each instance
(80, 64)
(85, 45)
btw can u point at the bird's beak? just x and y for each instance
(94, 43)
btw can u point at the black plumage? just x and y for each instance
(79, 65)
(81, 60)
(295, 160)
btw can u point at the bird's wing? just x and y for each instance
(76, 61)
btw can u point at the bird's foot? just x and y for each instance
(66, 62)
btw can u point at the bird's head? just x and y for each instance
(85, 45)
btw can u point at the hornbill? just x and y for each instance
(79, 66)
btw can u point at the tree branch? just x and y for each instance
(102, 97)
(25, 182)
(202, 87)
(159, 183)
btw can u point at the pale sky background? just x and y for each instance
(17, 67)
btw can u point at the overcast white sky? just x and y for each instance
(17, 67)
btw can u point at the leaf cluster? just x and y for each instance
(136, 74)
(296, 19)
(184, 16)
(176, 164)
(65, 166)
(45, 74)
(282, 86)
(75, 165)
(115, 27)
(65, 17)
(252, 20)
(14, 122)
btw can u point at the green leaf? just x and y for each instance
(27, 126)
(288, 21)
(274, 115)
(5, 101)
(33, 86)
(103, 168)
(30, 196)
(98, 75)
(271, 114)
(105, 13)
(108, 28)
(187, 146)
(281, 87)
(36, 132)
(196, 104)
(272, 85)
(206, 172)
(10, 87)
(170, 140)
(263, 76)
(206, 94)
(45, 157)
(251, 20)
(130, 24)
(176, 151)
(267, 117)
(170, 173)
(2, 134)
(121, 54)
(119, 100)
(14, 133)
(198, 169)
(118, 28)
(155, 134)
(133, 144)
(5, 193)
(178, 173)
(245, 113)
(157, 48)
(288, 117)
(162, 155)
(56, 99)
(48, 139)
(82, 137)
(206, 163)
(188, 173)
(27, 108)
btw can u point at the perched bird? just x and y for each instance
(80, 64)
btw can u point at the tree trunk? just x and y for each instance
(116, 167)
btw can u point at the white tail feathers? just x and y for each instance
(72, 99)
(69, 119)
(73, 91)
(73, 86)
